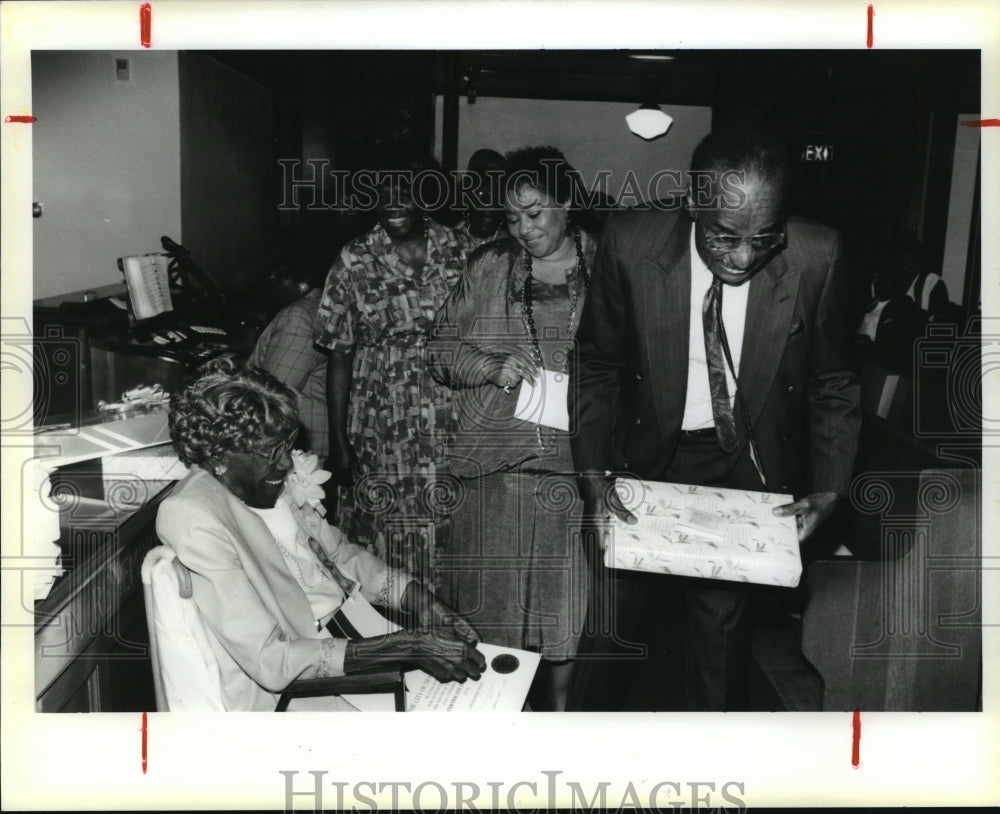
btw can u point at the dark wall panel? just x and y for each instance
(227, 170)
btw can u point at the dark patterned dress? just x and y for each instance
(399, 418)
(516, 566)
(530, 590)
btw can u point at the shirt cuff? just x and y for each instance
(396, 582)
(332, 657)
(333, 343)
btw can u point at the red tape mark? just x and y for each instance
(871, 17)
(145, 733)
(20, 119)
(981, 123)
(145, 24)
(856, 746)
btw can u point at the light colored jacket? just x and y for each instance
(261, 627)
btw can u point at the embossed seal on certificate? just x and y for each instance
(505, 663)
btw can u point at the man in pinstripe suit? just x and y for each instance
(648, 401)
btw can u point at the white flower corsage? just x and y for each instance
(303, 482)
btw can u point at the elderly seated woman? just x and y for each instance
(268, 573)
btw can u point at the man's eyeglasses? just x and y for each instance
(279, 450)
(730, 243)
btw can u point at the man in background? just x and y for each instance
(484, 219)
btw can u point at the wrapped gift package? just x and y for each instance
(707, 532)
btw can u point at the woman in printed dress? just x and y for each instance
(389, 420)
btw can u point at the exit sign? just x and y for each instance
(822, 153)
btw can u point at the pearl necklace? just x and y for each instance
(292, 560)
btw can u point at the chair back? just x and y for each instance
(185, 671)
(186, 674)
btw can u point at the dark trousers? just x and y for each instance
(627, 621)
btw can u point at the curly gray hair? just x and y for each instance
(228, 407)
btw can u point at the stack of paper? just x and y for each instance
(67, 445)
(702, 531)
(148, 284)
(162, 467)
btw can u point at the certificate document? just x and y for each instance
(503, 686)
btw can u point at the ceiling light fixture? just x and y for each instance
(648, 121)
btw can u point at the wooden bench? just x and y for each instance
(902, 633)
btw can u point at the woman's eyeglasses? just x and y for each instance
(730, 243)
(279, 450)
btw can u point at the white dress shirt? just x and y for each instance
(698, 401)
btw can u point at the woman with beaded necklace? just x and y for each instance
(517, 568)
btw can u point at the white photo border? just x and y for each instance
(92, 762)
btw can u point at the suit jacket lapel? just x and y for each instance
(667, 322)
(770, 305)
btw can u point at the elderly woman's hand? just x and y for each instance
(443, 656)
(432, 614)
(443, 643)
(507, 367)
(436, 652)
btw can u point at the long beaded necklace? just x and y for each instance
(292, 560)
(327, 570)
(576, 280)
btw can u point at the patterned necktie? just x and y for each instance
(722, 410)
